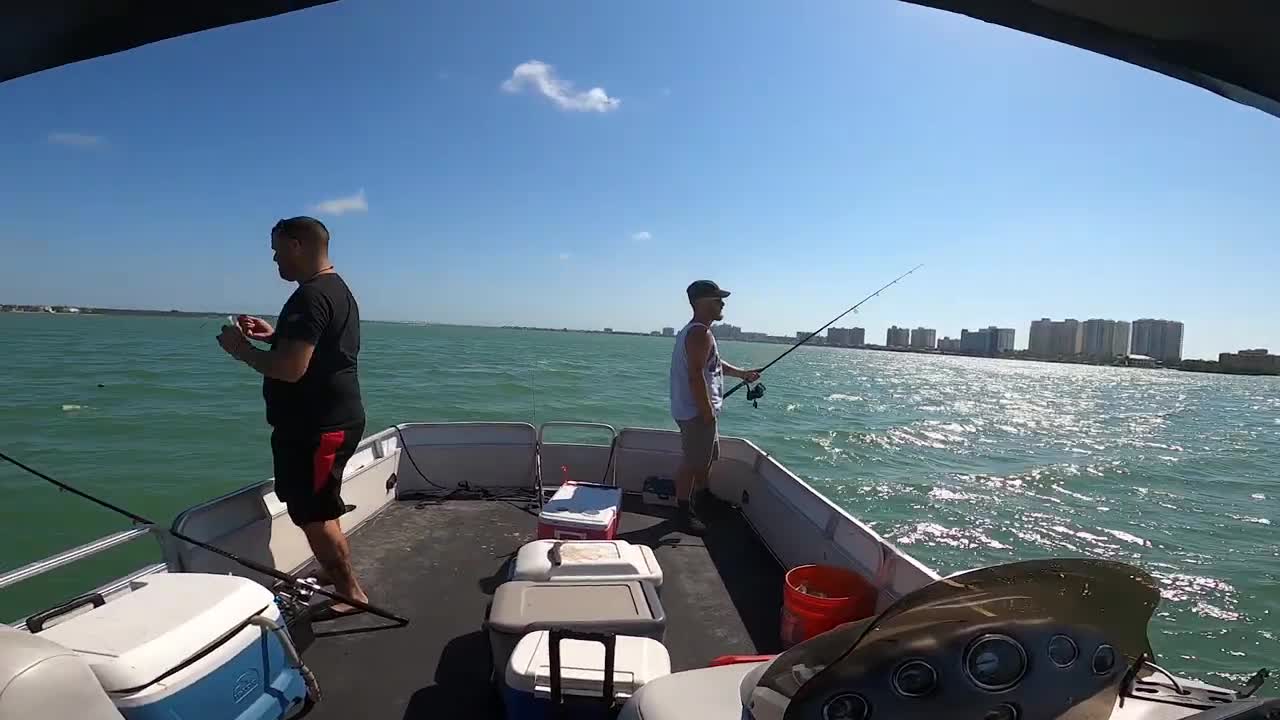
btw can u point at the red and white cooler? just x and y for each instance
(581, 511)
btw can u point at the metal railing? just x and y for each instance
(66, 557)
(611, 470)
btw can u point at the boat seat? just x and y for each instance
(41, 679)
(706, 694)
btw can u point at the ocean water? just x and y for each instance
(961, 462)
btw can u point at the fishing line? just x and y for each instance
(758, 391)
(252, 565)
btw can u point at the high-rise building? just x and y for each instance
(726, 332)
(974, 342)
(668, 332)
(1040, 341)
(1067, 338)
(1002, 339)
(987, 341)
(924, 338)
(897, 337)
(846, 337)
(1105, 338)
(1159, 339)
(947, 344)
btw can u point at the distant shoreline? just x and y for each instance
(77, 311)
(1201, 366)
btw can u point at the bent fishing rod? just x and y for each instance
(814, 334)
(251, 564)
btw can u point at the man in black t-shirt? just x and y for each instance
(312, 392)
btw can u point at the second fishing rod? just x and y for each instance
(751, 395)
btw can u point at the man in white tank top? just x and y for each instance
(697, 387)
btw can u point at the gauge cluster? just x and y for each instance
(1009, 673)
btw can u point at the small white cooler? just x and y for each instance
(528, 694)
(181, 645)
(581, 511)
(586, 561)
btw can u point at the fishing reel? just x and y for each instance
(754, 393)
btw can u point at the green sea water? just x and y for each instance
(961, 462)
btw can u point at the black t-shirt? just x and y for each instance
(322, 312)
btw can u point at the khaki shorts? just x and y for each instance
(699, 443)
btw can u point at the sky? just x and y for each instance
(577, 164)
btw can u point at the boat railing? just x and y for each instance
(66, 557)
(564, 453)
(83, 552)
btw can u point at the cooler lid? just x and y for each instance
(584, 504)
(519, 606)
(586, 560)
(165, 620)
(637, 660)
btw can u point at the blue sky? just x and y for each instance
(578, 163)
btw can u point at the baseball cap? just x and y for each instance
(699, 289)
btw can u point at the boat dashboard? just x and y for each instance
(1036, 640)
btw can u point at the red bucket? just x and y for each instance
(817, 598)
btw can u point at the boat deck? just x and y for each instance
(438, 564)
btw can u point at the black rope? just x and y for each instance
(613, 445)
(404, 447)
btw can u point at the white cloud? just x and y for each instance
(642, 236)
(564, 256)
(74, 139)
(541, 78)
(342, 205)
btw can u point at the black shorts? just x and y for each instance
(308, 468)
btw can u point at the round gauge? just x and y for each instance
(995, 662)
(1063, 651)
(1104, 660)
(915, 678)
(1003, 711)
(846, 706)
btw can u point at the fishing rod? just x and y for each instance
(752, 394)
(252, 565)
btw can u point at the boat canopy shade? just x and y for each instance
(1227, 46)
(37, 35)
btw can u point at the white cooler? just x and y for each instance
(586, 561)
(527, 691)
(179, 645)
(581, 511)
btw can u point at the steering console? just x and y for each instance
(1035, 640)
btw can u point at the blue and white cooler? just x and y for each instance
(532, 685)
(184, 645)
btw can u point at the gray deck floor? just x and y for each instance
(438, 565)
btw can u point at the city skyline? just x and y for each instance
(1095, 338)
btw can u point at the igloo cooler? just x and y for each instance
(180, 645)
(586, 561)
(582, 674)
(520, 607)
(581, 511)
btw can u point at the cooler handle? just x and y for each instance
(607, 639)
(36, 622)
(553, 555)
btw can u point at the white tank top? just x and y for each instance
(683, 404)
